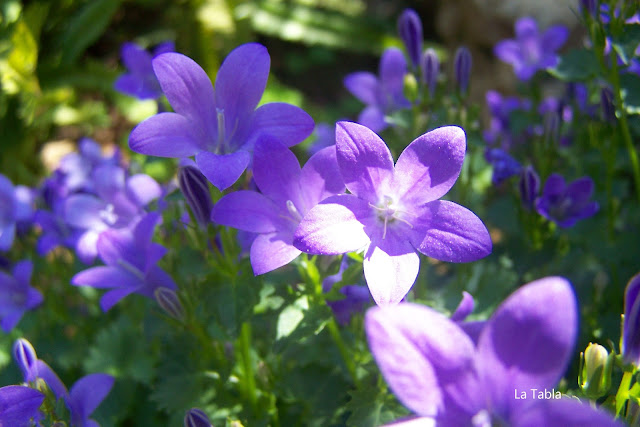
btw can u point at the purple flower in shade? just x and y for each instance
(75, 168)
(33, 368)
(16, 294)
(565, 204)
(529, 186)
(195, 188)
(394, 212)
(131, 263)
(630, 328)
(219, 126)
(504, 166)
(19, 405)
(437, 371)
(287, 194)
(16, 206)
(355, 296)
(531, 51)
(196, 417)
(85, 396)
(429, 69)
(500, 131)
(140, 80)
(119, 202)
(325, 136)
(462, 68)
(410, 29)
(382, 95)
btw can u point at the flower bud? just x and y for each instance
(631, 323)
(595, 375)
(196, 418)
(195, 188)
(588, 7)
(462, 69)
(25, 356)
(606, 104)
(430, 67)
(170, 303)
(529, 186)
(410, 88)
(410, 29)
(551, 124)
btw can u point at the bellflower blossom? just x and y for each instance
(630, 328)
(287, 194)
(218, 126)
(382, 95)
(19, 405)
(500, 131)
(15, 207)
(393, 212)
(16, 294)
(566, 204)
(130, 259)
(437, 371)
(504, 166)
(531, 51)
(119, 202)
(140, 81)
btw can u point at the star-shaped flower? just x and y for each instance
(218, 126)
(19, 405)
(393, 212)
(566, 204)
(140, 81)
(17, 295)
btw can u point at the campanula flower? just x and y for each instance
(19, 405)
(436, 370)
(531, 50)
(196, 417)
(382, 95)
(631, 325)
(140, 80)
(16, 294)
(500, 131)
(33, 368)
(16, 206)
(131, 263)
(410, 29)
(504, 166)
(218, 126)
(195, 188)
(287, 194)
(393, 212)
(566, 204)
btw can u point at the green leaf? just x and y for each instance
(17, 71)
(291, 317)
(85, 27)
(626, 44)
(630, 90)
(369, 407)
(577, 64)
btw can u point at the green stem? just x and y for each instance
(623, 392)
(249, 376)
(332, 325)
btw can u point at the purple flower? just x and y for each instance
(504, 166)
(33, 368)
(119, 202)
(462, 68)
(410, 29)
(500, 131)
(394, 212)
(287, 194)
(195, 188)
(16, 294)
(531, 51)
(382, 96)
(529, 186)
(19, 405)
(630, 331)
(566, 204)
(130, 259)
(16, 205)
(430, 67)
(355, 296)
(325, 136)
(196, 417)
(140, 80)
(437, 371)
(85, 396)
(218, 126)
(75, 168)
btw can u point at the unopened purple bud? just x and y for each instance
(631, 324)
(168, 300)
(410, 29)
(196, 418)
(25, 355)
(552, 126)
(529, 186)
(462, 68)
(195, 188)
(606, 104)
(430, 68)
(589, 6)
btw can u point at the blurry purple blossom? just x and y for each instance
(462, 62)
(504, 166)
(16, 294)
(33, 368)
(75, 168)
(500, 131)
(631, 325)
(529, 187)
(531, 51)
(324, 136)
(16, 207)
(287, 194)
(355, 296)
(435, 369)
(394, 211)
(140, 80)
(410, 30)
(196, 417)
(19, 405)
(131, 263)
(566, 204)
(218, 126)
(430, 67)
(382, 95)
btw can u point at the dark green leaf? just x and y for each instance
(626, 44)
(577, 64)
(630, 89)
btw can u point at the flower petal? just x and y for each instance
(373, 118)
(335, 226)
(320, 178)
(554, 38)
(287, 123)
(19, 405)
(464, 308)
(222, 170)
(390, 268)
(393, 68)
(364, 160)
(364, 86)
(271, 251)
(105, 277)
(84, 211)
(165, 135)
(136, 59)
(87, 394)
(449, 232)
(188, 89)
(240, 82)
(114, 296)
(427, 169)
(508, 51)
(529, 340)
(279, 183)
(419, 351)
(142, 189)
(248, 211)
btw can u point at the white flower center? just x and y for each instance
(388, 212)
